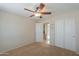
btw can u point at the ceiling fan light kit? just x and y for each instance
(38, 11)
(37, 14)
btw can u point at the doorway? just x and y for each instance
(46, 33)
(43, 33)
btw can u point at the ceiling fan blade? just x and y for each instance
(36, 9)
(46, 13)
(41, 6)
(28, 10)
(32, 15)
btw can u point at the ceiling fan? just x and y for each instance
(39, 11)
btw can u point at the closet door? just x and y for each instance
(59, 32)
(70, 34)
(65, 34)
(52, 34)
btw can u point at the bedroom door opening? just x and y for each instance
(46, 33)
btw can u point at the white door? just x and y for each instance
(52, 34)
(59, 33)
(65, 35)
(39, 32)
(70, 34)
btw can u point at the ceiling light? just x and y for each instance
(37, 14)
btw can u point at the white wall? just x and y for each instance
(15, 31)
(77, 31)
(39, 32)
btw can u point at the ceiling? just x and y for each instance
(18, 8)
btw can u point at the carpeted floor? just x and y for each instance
(39, 49)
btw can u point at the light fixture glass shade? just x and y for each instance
(37, 14)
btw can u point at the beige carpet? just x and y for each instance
(39, 49)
